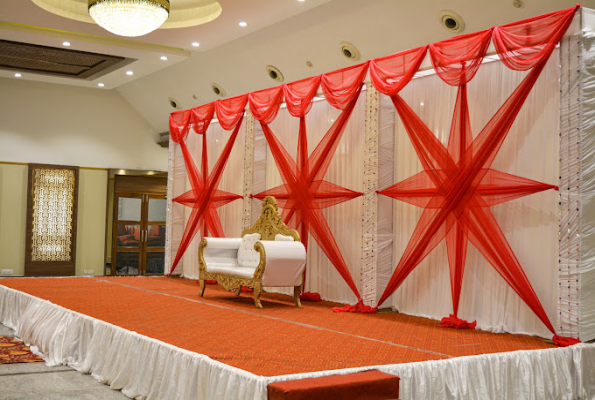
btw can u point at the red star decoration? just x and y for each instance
(456, 190)
(204, 198)
(305, 193)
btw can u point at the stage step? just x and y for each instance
(366, 385)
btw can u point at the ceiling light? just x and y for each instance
(164, 58)
(243, 24)
(65, 43)
(100, 84)
(129, 17)
(129, 73)
(195, 44)
(17, 75)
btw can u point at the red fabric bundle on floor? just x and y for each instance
(367, 385)
(358, 307)
(309, 296)
(454, 322)
(565, 341)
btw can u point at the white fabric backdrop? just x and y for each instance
(530, 224)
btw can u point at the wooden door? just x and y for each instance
(154, 263)
(138, 238)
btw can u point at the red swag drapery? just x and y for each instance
(304, 192)
(457, 186)
(204, 198)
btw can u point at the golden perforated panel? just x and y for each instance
(53, 200)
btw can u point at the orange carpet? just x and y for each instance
(278, 339)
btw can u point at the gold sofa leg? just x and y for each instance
(297, 290)
(239, 290)
(201, 282)
(257, 292)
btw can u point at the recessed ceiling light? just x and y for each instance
(301, 0)
(100, 84)
(164, 58)
(195, 44)
(65, 43)
(17, 75)
(129, 73)
(243, 23)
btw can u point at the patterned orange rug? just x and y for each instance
(14, 351)
(278, 339)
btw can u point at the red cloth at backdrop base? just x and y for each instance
(454, 322)
(358, 307)
(565, 341)
(309, 296)
(208, 282)
(367, 385)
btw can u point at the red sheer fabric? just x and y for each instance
(522, 45)
(392, 73)
(457, 60)
(457, 186)
(204, 198)
(453, 322)
(304, 192)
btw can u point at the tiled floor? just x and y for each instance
(36, 380)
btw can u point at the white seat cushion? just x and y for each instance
(232, 270)
(247, 256)
(283, 238)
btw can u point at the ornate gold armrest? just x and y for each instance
(202, 266)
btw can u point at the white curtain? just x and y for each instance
(529, 223)
(177, 213)
(345, 170)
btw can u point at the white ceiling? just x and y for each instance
(283, 33)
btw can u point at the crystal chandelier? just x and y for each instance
(129, 17)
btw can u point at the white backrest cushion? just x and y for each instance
(247, 256)
(282, 238)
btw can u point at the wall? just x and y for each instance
(90, 226)
(13, 217)
(59, 124)
(92, 213)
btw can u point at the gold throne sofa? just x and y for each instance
(267, 254)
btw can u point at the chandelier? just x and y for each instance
(129, 17)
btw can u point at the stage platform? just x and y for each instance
(156, 337)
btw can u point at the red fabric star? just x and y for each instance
(305, 194)
(456, 189)
(211, 223)
(204, 197)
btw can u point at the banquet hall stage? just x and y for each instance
(276, 340)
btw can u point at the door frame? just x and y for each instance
(145, 188)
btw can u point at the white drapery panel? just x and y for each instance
(530, 223)
(345, 170)
(176, 217)
(231, 181)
